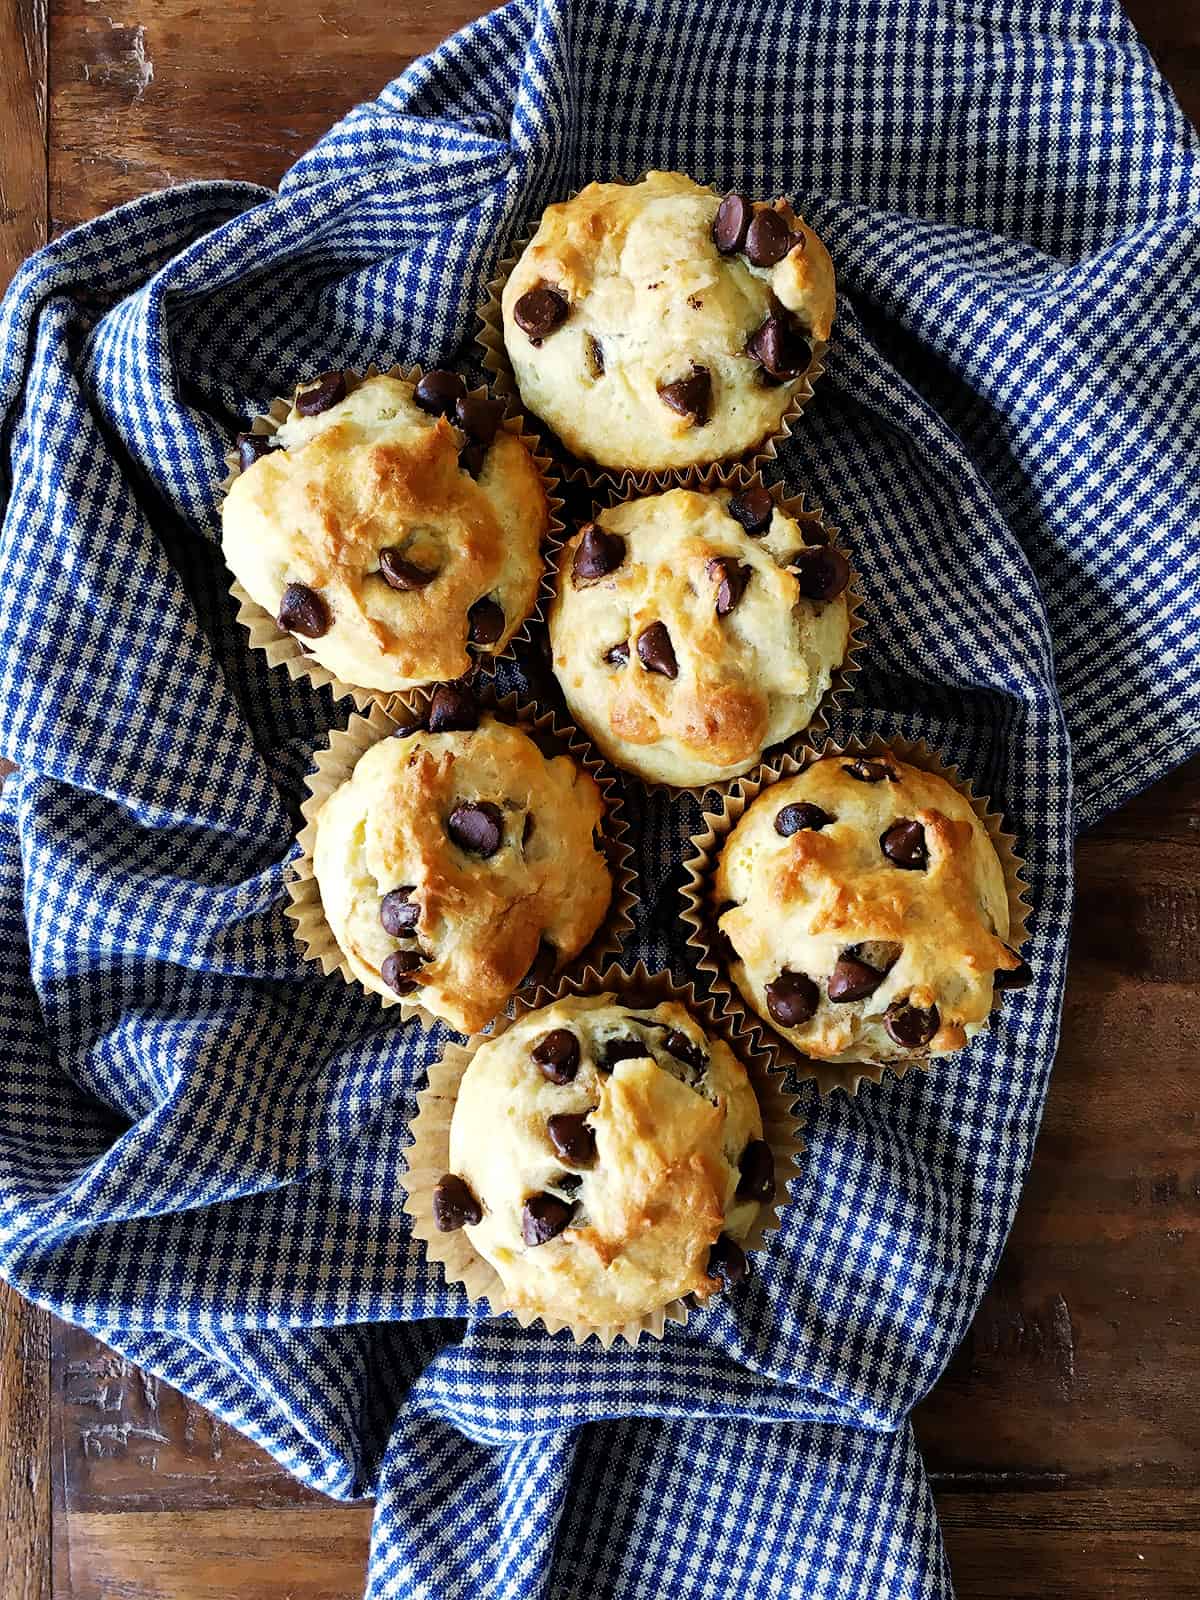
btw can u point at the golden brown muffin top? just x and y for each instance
(366, 533)
(635, 1149)
(482, 850)
(866, 910)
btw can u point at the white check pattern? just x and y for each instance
(201, 1139)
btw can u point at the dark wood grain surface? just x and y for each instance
(1064, 1439)
(25, 1567)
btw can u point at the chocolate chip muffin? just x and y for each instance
(655, 326)
(395, 530)
(691, 630)
(607, 1160)
(863, 912)
(458, 859)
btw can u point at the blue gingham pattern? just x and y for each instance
(201, 1138)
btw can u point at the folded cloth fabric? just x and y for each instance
(201, 1138)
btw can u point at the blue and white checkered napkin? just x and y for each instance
(200, 1137)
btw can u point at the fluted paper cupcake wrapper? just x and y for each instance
(335, 763)
(706, 845)
(428, 1159)
(706, 480)
(283, 649)
(574, 468)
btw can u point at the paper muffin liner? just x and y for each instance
(707, 844)
(706, 480)
(283, 649)
(575, 469)
(334, 764)
(428, 1158)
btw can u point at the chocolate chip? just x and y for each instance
(792, 999)
(757, 1169)
(571, 1137)
(730, 224)
(869, 771)
(621, 1050)
(768, 238)
(541, 968)
(594, 351)
(329, 388)
(852, 980)
(569, 1182)
(731, 578)
(678, 1044)
(544, 1218)
(400, 574)
(598, 552)
(1014, 977)
(396, 970)
(779, 349)
(478, 416)
(690, 397)
(478, 827)
(399, 912)
(904, 845)
(799, 817)
(408, 725)
(472, 457)
(753, 508)
(909, 1025)
(618, 656)
(251, 447)
(438, 391)
(452, 710)
(727, 1262)
(302, 610)
(486, 621)
(557, 1055)
(656, 652)
(821, 571)
(540, 311)
(454, 1206)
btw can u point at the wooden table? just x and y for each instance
(1064, 1441)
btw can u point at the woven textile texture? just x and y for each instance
(201, 1138)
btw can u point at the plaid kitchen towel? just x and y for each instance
(201, 1137)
